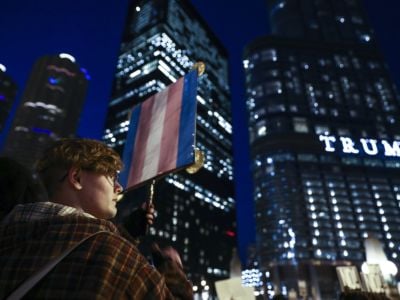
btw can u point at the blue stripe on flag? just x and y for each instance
(130, 144)
(187, 124)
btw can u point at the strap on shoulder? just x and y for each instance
(28, 284)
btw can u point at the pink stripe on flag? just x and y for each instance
(170, 135)
(143, 132)
(153, 148)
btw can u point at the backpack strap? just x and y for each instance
(28, 284)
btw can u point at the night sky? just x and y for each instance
(91, 31)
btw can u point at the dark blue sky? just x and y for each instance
(91, 31)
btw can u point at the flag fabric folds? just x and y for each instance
(161, 136)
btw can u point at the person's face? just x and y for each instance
(99, 193)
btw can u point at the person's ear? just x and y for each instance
(74, 177)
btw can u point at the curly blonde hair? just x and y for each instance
(86, 154)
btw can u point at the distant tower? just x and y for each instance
(8, 90)
(49, 109)
(321, 77)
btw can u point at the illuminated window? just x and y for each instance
(269, 55)
(300, 125)
(320, 129)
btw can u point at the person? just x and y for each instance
(137, 222)
(18, 185)
(81, 179)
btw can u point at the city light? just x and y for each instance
(67, 56)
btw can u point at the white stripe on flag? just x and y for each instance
(150, 166)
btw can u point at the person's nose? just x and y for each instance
(118, 187)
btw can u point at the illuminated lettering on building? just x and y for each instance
(370, 147)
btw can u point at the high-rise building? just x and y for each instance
(162, 41)
(49, 109)
(8, 91)
(325, 144)
(321, 21)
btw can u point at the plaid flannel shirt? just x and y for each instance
(106, 266)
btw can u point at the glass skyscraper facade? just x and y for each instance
(325, 144)
(8, 92)
(49, 109)
(196, 213)
(320, 20)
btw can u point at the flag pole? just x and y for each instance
(149, 203)
(151, 194)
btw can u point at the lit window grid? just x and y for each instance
(363, 219)
(342, 241)
(223, 166)
(159, 44)
(284, 239)
(366, 219)
(200, 43)
(161, 53)
(158, 40)
(218, 272)
(218, 160)
(220, 149)
(200, 193)
(346, 85)
(252, 278)
(218, 135)
(149, 87)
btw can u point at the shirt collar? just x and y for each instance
(41, 210)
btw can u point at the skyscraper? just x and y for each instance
(161, 42)
(8, 91)
(324, 142)
(49, 109)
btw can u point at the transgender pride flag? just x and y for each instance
(161, 134)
